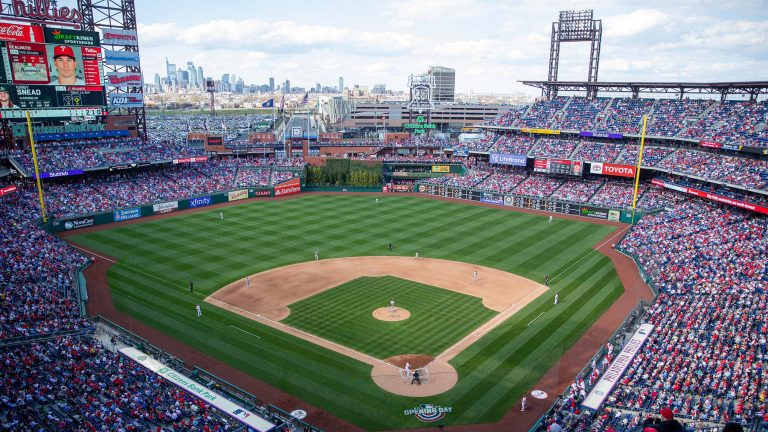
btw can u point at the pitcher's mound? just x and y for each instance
(391, 314)
(437, 376)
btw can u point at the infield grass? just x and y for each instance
(439, 317)
(157, 260)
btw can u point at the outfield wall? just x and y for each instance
(541, 204)
(73, 223)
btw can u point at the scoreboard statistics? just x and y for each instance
(56, 72)
(559, 166)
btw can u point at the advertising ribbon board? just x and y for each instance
(441, 168)
(292, 186)
(508, 159)
(191, 160)
(540, 131)
(7, 189)
(56, 174)
(617, 368)
(609, 135)
(233, 410)
(617, 170)
(713, 197)
(237, 195)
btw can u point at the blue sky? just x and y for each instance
(491, 44)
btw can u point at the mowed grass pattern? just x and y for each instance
(439, 318)
(159, 258)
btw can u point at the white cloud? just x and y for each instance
(634, 23)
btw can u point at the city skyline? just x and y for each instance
(490, 45)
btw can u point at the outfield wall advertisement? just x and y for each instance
(292, 186)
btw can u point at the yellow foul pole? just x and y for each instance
(637, 170)
(37, 170)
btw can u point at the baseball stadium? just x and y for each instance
(596, 260)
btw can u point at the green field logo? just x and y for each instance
(428, 412)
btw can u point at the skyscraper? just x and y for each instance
(158, 85)
(200, 78)
(192, 71)
(170, 69)
(287, 88)
(445, 83)
(341, 84)
(271, 84)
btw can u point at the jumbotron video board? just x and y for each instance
(559, 166)
(56, 72)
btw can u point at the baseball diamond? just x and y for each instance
(272, 242)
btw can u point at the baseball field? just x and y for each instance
(269, 326)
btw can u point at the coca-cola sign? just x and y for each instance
(612, 169)
(46, 10)
(20, 33)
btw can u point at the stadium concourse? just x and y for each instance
(705, 357)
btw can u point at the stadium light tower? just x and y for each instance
(575, 26)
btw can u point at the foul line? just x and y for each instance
(594, 249)
(245, 331)
(87, 252)
(529, 324)
(489, 325)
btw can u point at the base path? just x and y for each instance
(266, 298)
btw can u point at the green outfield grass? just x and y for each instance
(439, 318)
(159, 258)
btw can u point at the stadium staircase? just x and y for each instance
(18, 167)
(557, 118)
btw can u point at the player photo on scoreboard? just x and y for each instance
(7, 96)
(66, 65)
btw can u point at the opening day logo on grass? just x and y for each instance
(428, 412)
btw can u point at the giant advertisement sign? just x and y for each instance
(21, 33)
(713, 197)
(508, 159)
(124, 79)
(165, 207)
(233, 410)
(617, 170)
(126, 214)
(237, 195)
(78, 223)
(292, 186)
(121, 58)
(126, 100)
(611, 376)
(119, 37)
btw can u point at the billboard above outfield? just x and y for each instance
(55, 71)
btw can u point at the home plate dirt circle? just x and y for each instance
(439, 376)
(391, 314)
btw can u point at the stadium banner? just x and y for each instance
(508, 159)
(56, 174)
(21, 33)
(594, 212)
(609, 135)
(290, 187)
(237, 195)
(126, 214)
(441, 168)
(200, 201)
(231, 409)
(710, 144)
(126, 100)
(121, 58)
(614, 215)
(61, 36)
(191, 160)
(609, 169)
(78, 223)
(713, 197)
(120, 37)
(124, 79)
(165, 207)
(492, 198)
(540, 131)
(611, 376)
(7, 189)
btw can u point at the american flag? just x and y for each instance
(305, 99)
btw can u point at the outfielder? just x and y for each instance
(199, 312)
